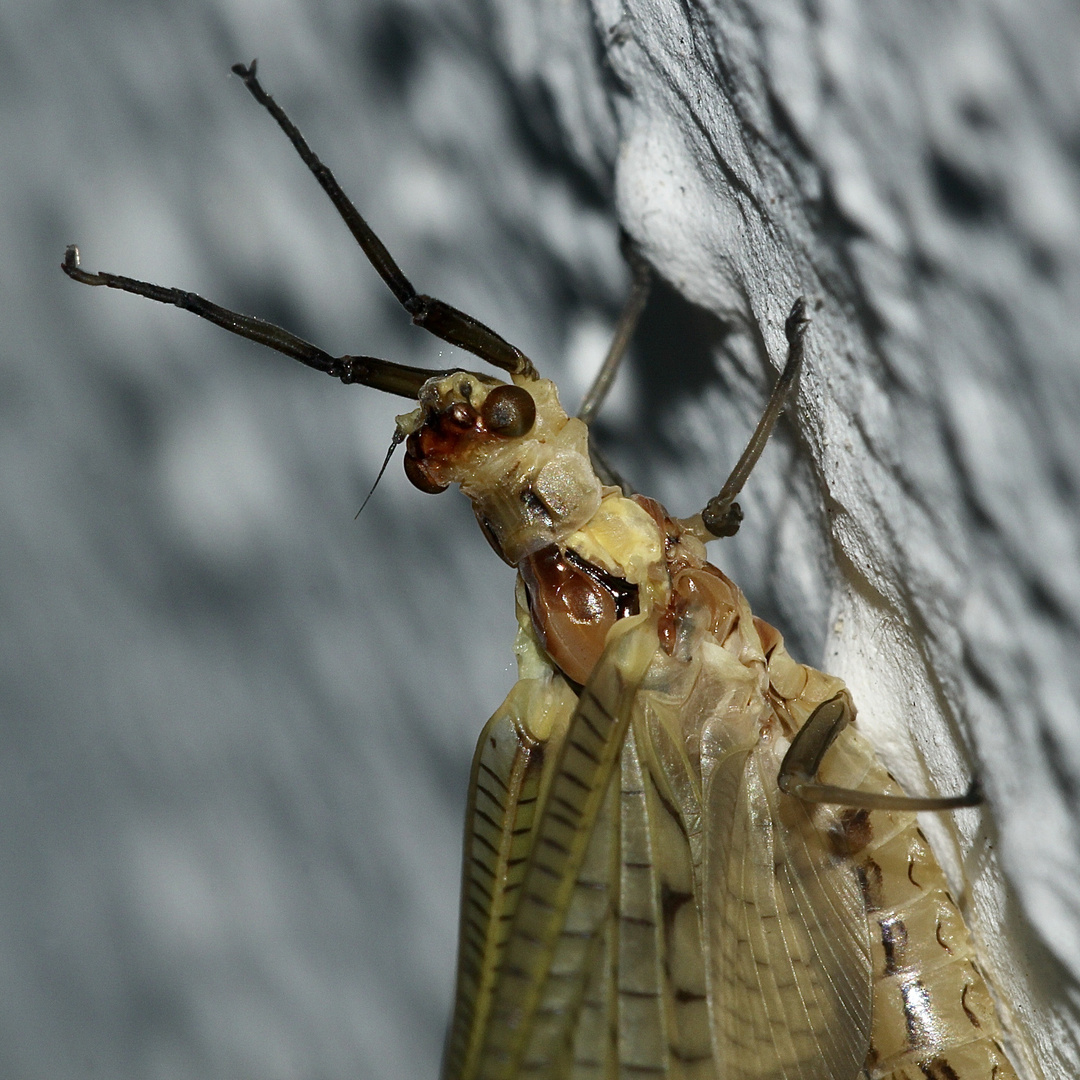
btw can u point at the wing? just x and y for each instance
(657, 1000)
(541, 871)
(786, 928)
(508, 772)
(645, 1013)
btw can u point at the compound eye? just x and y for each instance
(509, 410)
(415, 472)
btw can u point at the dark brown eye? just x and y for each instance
(415, 472)
(509, 410)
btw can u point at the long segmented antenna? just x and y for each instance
(439, 318)
(383, 375)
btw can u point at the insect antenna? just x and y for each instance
(370, 371)
(436, 316)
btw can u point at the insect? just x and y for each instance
(681, 858)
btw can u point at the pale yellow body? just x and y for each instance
(641, 900)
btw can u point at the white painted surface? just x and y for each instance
(236, 725)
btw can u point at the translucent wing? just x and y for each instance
(507, 774)
(540, 872)
(588, 915)
(788, 946)
(643, 1012)
(660, 1015)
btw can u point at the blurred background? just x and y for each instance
(236, 723)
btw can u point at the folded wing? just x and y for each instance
(785, 921)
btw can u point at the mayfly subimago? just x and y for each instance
(681, 858)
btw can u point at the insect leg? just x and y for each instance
(624, 331)
(723, 515)
(441, 319)
(367, 370)
(803, 759)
